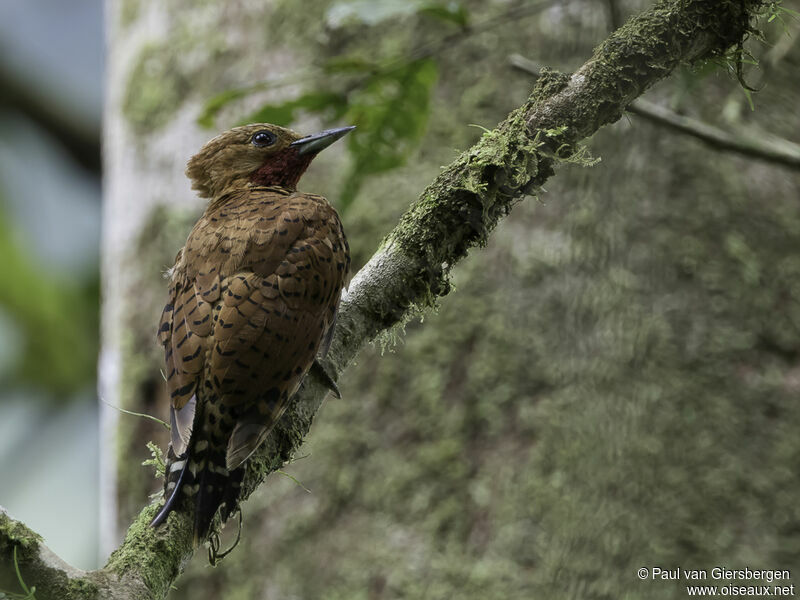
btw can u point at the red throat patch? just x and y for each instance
(282, 169)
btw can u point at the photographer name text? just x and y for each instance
(717, 573)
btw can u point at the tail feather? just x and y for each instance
(218, 490)
(176, 475)
(200, 473)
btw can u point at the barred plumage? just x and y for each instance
(253, 294)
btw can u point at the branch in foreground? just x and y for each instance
(52, 577)
(777, 151)
(455, 213)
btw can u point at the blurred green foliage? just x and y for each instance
(56, 317)
(389, 107)
(387, 100)
(391, 111)
(283, 114)
(454, 12)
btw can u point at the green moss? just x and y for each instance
(196, 59)
(129, 12)
(465, 202)
(82, 589)
(15, 533)
(50, 583)
(291, 27)
(156, 88)
(549, 83)
(147, 552)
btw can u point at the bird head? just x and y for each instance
(260, 153)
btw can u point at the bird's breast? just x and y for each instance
(257, 231)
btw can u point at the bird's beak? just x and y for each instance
(319, 141)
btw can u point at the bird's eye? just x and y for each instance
(263, 138)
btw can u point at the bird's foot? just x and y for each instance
(318, 369)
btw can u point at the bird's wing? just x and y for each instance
(274, 317)
(183, 331)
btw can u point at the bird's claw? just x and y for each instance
(325, 377)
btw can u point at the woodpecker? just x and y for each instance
(253, 298)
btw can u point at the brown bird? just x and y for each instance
(253, 299)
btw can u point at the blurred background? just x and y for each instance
(612, 383)
(51, 82)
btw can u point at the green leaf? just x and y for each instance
(221, 100)
(284, 114)
(391, 112)
(24, 587)
(749, 97)
(453, 12)
(349, 64)
(213, 106)
(293, 478)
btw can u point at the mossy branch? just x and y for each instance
(761, 146)
(456, 212)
